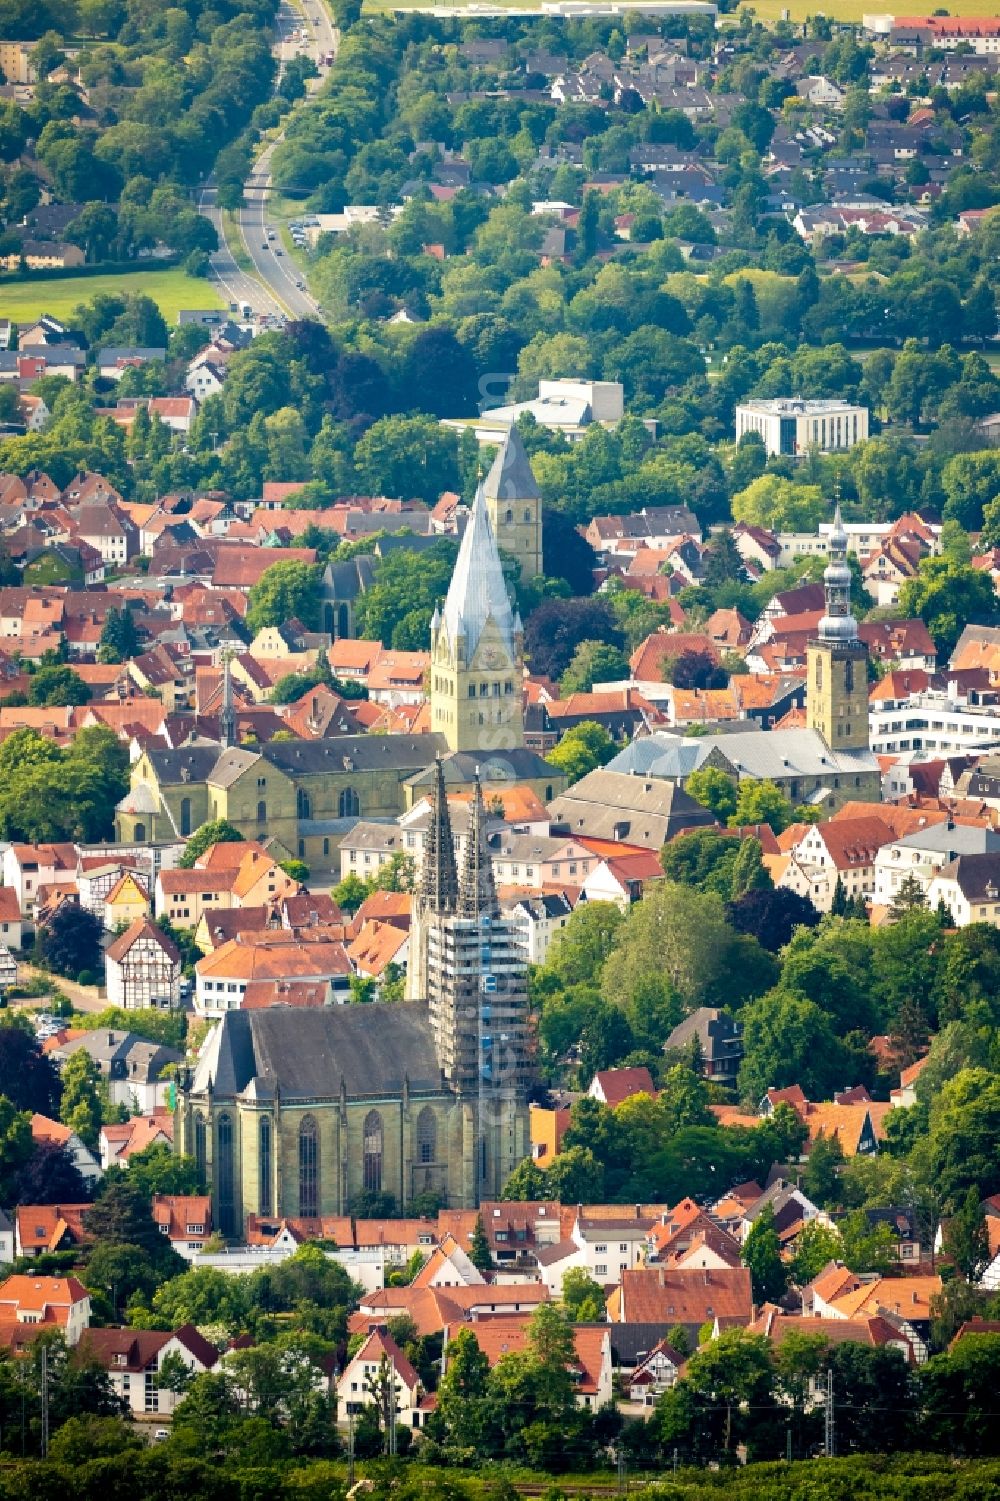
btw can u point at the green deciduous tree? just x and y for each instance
(761, 1253)
(219, 831)
(582, 749)
(81, 1107)
(285, 591)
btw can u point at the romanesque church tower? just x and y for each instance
(514, 505)
(477, 649)
(837, 661)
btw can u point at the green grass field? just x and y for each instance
(850, 10)
(169, 287)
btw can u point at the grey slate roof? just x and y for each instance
(461, 767)
(189, 763)
(511, 477)
(953, 839)
(354, 753)
(606, 804)
(307, 1053)
(778, 755)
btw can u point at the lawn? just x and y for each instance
(168, 286)
(847, 10)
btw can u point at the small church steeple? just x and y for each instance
(837, 660)
(227, 714)
(514, 503)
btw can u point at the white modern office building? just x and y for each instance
(791, 426)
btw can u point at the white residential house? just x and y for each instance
(143, 969)
(43, 1129)
(841, 850)
(28, 866)
(6, 1240)
(362, 1372)
(655, 1374)
(970, 888)
(185, 1219)
(133, 1359)
(924, 854)
(59, 1303)
(538, 919)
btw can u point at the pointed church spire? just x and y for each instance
(478, 589)
(439, 875)
(227, 715)
(511, 476)
(477, 896)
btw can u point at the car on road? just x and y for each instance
(279, 251)
(298, 285)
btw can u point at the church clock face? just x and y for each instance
(493, 657)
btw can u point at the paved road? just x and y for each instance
(276, 285)
(84, 997)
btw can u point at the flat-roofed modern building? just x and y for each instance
(788, 425)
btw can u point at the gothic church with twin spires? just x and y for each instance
(298, 1114)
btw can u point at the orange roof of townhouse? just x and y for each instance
(263, 1229)
(138, 1133)
(909, 1297)
(182, 1216)
(228, 854)
(434, 1309)
(693, 705)
(729, 628)
(241, 960)
(899, 819)
(394, 907)
(376, 947)
(833, 1282)
(395, 1231)
(137, 1350)
(354, 656)
(255, 867)
(620, 1084)
(899, 684)
(854, 842)
(177, 882)
(646, 662)
(45, 1129)
(683, 1295)
(260, 995)
(43, 1227)
(775, 1324)
(733, 1115)
(238, 567)
(508, 1336)
(398, 669)
(9, 909)
(608, 701)
(50, 1297)
(845, 1123)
